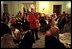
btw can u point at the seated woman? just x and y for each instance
(51, 38)
(16, 34)
(6, 37)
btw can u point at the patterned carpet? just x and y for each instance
(41, 42)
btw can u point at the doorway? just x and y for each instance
(5, 6)
(57, 9)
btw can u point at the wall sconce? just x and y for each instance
(69, 5)
(1, 2)
(42, 5)
(43, 8)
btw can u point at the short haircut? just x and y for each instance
(4, 29)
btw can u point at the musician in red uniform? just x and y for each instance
(32, 18)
